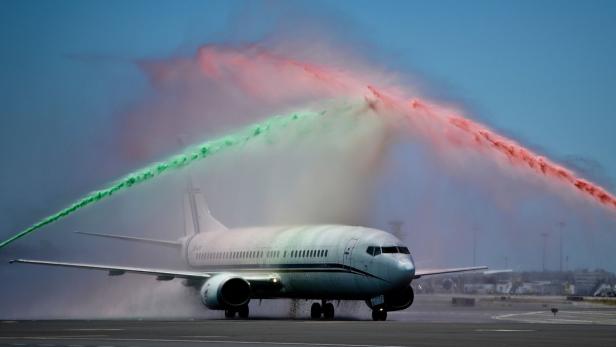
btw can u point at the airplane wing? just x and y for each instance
(161, 274)
(261, 282)
(422, 273)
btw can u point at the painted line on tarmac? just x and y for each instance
(277, 343)
(103, 329)
(504, 330)
(51, 337)
(563, 317)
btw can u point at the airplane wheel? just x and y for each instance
(328, 311)
(243, 312)
(315, 311)
(229, 313)
(379, 314)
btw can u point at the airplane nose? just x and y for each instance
(406, 266)
(406, 269)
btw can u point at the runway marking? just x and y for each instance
(562, 317)
(504, 330)
(202, 341)
(103, 329)
(204, 336)
(50, 337)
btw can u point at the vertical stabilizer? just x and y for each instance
(197, 216)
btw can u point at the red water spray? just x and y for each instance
(260, 72)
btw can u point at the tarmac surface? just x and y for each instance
(432, 321)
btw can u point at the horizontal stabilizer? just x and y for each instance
(422, 273)
(164, 243)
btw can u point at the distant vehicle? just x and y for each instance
(605, 291)
(315, 262)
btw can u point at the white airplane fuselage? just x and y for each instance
(325, 262)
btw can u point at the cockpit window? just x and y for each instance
(390, 249)
(403, 250)
(374, 250)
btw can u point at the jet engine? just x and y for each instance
(224, 291)
(396, 300)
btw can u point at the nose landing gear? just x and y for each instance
(379, 314)
(327, 310)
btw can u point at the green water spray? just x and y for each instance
(201, 151)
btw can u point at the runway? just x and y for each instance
(433, 321)
(298, 333)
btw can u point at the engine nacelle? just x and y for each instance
(224, 291)
(397, 299)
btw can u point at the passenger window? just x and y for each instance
(284, 254)
(326, 251)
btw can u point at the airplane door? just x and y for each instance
(348, 252)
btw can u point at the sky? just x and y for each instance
(540, 72)
(538, 69)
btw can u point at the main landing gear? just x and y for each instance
(327, 310)
(242, 312)
(379, 313)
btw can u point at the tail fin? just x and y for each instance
(197, 215)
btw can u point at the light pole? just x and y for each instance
(561, 225)
(474, 245)
(545, 244)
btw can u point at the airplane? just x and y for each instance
(323, 263)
